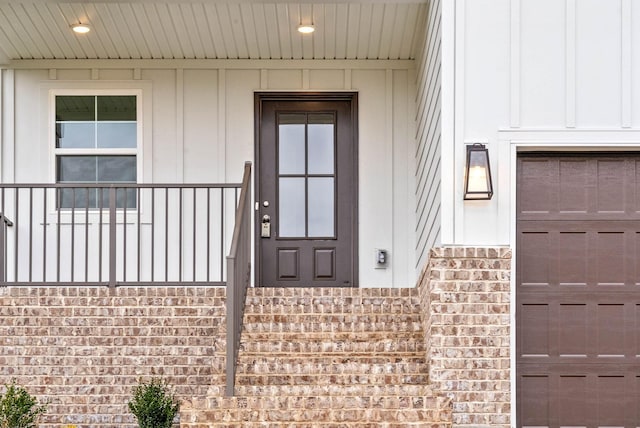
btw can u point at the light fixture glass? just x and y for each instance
(306, 28)
(81, 28)
(477, 182)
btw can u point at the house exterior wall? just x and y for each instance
(428, 137)
(197, 121)
(531, 75)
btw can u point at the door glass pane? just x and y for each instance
(321, 147)
(117, 135)
(321, 207)
(75, 135)
(291, 143)
(291, 207)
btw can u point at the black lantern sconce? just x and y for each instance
(477, 180)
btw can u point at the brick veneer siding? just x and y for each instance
(84, 348)
(465, 295)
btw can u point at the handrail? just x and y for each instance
(238, 277)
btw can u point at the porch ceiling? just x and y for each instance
(210, 29)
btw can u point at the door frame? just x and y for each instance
(259, 99)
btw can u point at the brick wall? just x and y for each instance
(466, 304)
(83, 349)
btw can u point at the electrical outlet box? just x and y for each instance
(382, 258)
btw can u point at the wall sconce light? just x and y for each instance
(477, 182)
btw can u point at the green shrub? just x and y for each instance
(18, 409)
(153, 404)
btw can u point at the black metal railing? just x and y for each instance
(238, 277)
(118, 234)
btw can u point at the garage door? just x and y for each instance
(578, 290)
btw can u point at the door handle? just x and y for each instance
(265, 230)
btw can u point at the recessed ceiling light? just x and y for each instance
(306, 28)
(81, 28)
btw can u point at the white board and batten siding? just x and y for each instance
(198, 127)
(533, 75)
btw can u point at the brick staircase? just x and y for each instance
(327, 358)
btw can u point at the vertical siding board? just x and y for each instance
(626, 63)
(514, 108)
(427, 192)
(570, 102)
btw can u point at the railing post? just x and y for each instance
(3, 243)
(112, 237)
(231, 327)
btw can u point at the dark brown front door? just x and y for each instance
(578, 290)
(306, 189)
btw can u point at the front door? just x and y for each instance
(306, 147)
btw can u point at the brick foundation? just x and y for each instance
(84, 348)
(466, 315)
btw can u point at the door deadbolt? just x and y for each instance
(265, 230)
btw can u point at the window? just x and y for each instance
(96, 142)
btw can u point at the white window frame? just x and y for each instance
(142, 105)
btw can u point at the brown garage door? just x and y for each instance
(578, 290)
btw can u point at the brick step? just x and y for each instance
(334, 390)
(337, 317)
(257, 306)
(332, 379)
(301, 364)
(328, 328)
(381, 347)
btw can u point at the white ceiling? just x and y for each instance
(210, 29)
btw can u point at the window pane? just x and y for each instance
(84, 198)
(321, 147)
(116, 169)
(73, 108)
(321, 207)
(121, 108)
(291, 208)
(291, 143)
(75, 135)
(116, 135)
(76, 169)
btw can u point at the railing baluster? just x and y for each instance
(180, 235)
(30, 234)
(166, 234)
(124, 237)
(73, 229)
(101, 203)
(16, 237)
(138, 229)
(86, 235)
(59, 205)
(112, 237)
(195, 209)
(153, 233)
(208, 262)
(222, 235)
(44, 237)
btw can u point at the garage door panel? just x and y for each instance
(534, 337)
(534, 393)
(572, 330)
(573, 258)
(610, 249)
(572, 394)
(539, 183)
(612, 403)
(611, 185)
(573, 194)
(611, 330)
(578, 290)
